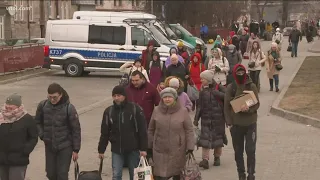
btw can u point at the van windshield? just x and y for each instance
(158, 35)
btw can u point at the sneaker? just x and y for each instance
(271, 89)
(204, 164)
(216, 161)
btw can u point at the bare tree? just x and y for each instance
(260, 4)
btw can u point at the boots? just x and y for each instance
(271, 84)
(216, 161)
(204, 164)
(242, 176)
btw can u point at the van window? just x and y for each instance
(66, 33)
(140, 37)
(107, 35)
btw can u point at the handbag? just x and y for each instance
(87, 175)
(289, 49)
(191, 170)
(192, 92)
(143, 171)
(279, 67)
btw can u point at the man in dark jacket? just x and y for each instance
(59, 128)
(243, 125)
(179, 70)
(127, 133)
(294, 38)
(142, 93)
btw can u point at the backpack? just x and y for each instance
(43, 103)
(150, 65)
(125, 79)
(109, 116)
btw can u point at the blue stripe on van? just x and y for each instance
(94, 54)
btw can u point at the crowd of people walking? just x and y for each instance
(150, 113)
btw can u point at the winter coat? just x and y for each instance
(183, 97)
(146, 96)
(278, 36)
(271, 64)
(243, 43)
(233, 56)
(156, 71)
(58, 125)
(210, 111)
(170, 135)
(125, 68)
(235, 90)
(17, 141)
(258, 58)
(195, 68)
(295, 36)
(127, 132)
(219, 77)
(250, 43)
(179, 70)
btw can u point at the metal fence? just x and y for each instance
(17, 58)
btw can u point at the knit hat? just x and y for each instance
(169, 92)
(174, 82)
(180, 44)
(119, 90)
(207, 75)
(14, 99)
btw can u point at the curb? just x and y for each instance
(314, 45)
(313, 51)
(292, 116)
(27, 76)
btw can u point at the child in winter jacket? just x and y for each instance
(178, 85)
(129, 67)
(219, 65)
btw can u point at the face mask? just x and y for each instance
(240, 77)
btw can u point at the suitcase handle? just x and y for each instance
(77, 169)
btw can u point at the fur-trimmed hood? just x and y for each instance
(181, 84)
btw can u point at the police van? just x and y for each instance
(81, 47)
(156, 27)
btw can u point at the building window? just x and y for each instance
(117, 4)
(31, 10)
(134, 3)
(1, 27)
(114, 2)
(107, 35)
(21, 10)
(15, 4)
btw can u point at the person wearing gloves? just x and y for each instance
(177, 84)
(219, 65)
(278, 38)
(170, 136)
(256, 57)
(129, 67)
(210, 111)
(18, 137)
(173, 50)
(243, 125)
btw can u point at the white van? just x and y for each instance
(120, 16)
(80, 47)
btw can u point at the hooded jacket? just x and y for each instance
(195, 68)
(156, 70)
(146, 55)
(183, 97)
(233, 56)
(58, 124)
(168, 61)
(234, 90)
(223, 64)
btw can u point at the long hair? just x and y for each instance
(258, 46)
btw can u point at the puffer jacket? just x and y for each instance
(212, 119)
(58, 125)
(195, 68)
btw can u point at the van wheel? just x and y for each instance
(73, 69)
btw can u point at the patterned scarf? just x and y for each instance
(11, 116)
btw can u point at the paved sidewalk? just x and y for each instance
(285, 150)
(315, 47)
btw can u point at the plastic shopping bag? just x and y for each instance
(192, 92)
(191, 170)
(143, 171)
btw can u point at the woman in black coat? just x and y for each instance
(18, 137)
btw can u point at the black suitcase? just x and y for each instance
(87, 175)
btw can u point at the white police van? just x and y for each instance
(156, 27)
(81, 47)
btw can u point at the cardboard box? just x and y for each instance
(248, 99)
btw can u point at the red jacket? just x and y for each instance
(146, 96)
(195, 69)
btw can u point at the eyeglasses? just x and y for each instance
(53, 97)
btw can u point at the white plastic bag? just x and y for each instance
(143, 171)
